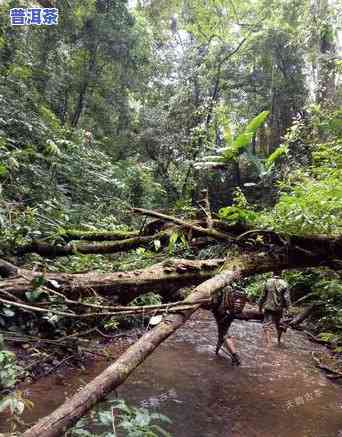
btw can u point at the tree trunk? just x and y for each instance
(7, 269)
(304, 315)
(121, 287)
(80, 103)
(88, 80)
(50, 251)
(327, 58)
(205, 205)
(201, 231)
(75, 234)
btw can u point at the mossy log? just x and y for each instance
(105, 248)
(296, 252)
(98, 235)
(122, 287)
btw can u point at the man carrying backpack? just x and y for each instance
(274, 299)
(229, 303)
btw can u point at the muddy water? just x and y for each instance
(275, 393)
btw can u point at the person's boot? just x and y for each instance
(236, 360)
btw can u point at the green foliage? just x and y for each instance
(3, 170)
(303, 281)
(177, 241)
(144, 300)
(310, 200)
(329, 291)
(240, 212)
(239, 145)
(134, 422)
(8, 373)
(48, 165)
(139, 421)
(147, 299)
(255, 288)
(312, 207)
(275, 156)
(235, 214)
(8, 367)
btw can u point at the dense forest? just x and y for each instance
(152, 152)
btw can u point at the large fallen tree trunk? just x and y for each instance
(165, 279)
(121, 287)
(52, 251)
(319, 244)
(67, 414)
(111, 243)
(330, 245)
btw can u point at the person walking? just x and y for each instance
(230, 302)
(273, 301)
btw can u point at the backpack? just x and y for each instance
(277, 287)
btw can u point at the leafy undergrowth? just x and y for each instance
(12, 401)
(310, 197)
(116, 418)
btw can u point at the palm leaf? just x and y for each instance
(257, 122)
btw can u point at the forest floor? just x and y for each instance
(276, 392)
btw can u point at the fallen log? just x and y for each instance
(53, 251)
(121, 287)
(213, 233)
(329, 363)
(7, 270)
(67, 414)
(318, 244)
(249, 315)
(166, 278)
(304, 315)
(110, 243)
(79, 235)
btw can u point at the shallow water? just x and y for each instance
(275, 392)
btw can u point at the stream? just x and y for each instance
(277, 392)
